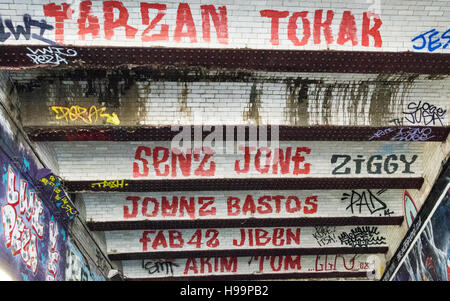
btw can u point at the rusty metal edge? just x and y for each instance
(265, 276)
(165, 133)
(249, 222)
(250, 59)
(250, 184)
(247, 252)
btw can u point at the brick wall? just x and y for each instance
(274, 265)
(177, 96)
(242, 239)
(389, 27)
(98, 160)
(227, 98)
(228, 205)
(30, 157)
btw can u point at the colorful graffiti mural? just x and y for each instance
(51, 188)
(423, 255)
(32, 243)
(187, 16)
(77, 266)
(429, 258)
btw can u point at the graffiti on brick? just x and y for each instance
(31, 238)
(25, 30)
(19, 238)
(198, 161)
(156, 22)
(425, 113)
(325, 235)
(153, 266)
(204, 206)
(332, 262)
(361, 201)
(432, 40)
(362, 237)
(51, 55)
(78, 268)
(375, 164)
(152, 240)
(246, 265)
(87, 115)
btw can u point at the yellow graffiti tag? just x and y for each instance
(111, 184)
(86, 115)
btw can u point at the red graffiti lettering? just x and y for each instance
(184, 19)
(205, 265)
(374, 31)
(347, 29)
(199, 162)
(279, 157)
(219, 21)
(292, 28)
(86, 17)
(122, 21)
(163, 35)
(262, 237)
(60, 13)
(275, 17)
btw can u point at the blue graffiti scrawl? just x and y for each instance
(431, 40)
(7, 30)
(26, 165)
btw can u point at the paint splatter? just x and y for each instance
(5, 175)
(43, 257)
(26, 165)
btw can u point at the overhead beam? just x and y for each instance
(249, 222)
(15, 57)
(285, 133)
(249, 252)
(265, 276)
(246, 184)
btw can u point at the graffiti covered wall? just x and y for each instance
(169, 160)
(316, 25)
(429, 258)
(423, 253)
(32, 240)
(78, 268)
(231, 265)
